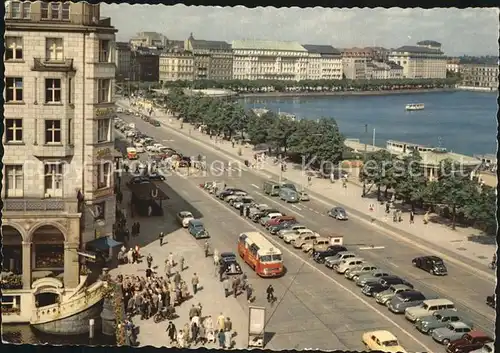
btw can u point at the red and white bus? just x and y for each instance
(258, 252)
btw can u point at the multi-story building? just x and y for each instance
(453, 65)
(355, 68)
(122, 58)
(324, 62)
(479, 75)
(270, 60)
(58, 164)
(145, 65)
(176, 65)
(213, 60)
(426, 60)
(377, 70)
(148, 39)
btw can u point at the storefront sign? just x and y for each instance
(103, 153)
(100, 112)
(103, 192)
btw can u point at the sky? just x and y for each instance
(460, 31)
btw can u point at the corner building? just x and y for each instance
(58, 163)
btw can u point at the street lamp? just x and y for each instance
(364, 163)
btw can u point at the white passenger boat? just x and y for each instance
(415, 106)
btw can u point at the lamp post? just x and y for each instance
(364, 162)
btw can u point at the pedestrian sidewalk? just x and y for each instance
(466, 242)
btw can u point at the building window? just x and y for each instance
(26, 10)
(104, 51)
(14, 91)
(14, 181)
(70, 90)
(16, 9)
(53, 179)
(104, 91)
(65, 11)
(70, 131)
(14, 131)
(103, 130)
(54, 49)
(104, 171)
(13, 48)
(52, 90)
(44, 8)
(52, 131)
(101, 211)
(55, 10)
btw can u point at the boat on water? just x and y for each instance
(415, 106)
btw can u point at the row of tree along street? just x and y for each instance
(314, 141)
(461, 198)
(260, 86)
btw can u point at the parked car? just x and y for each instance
(242, 202)
(432, 264)
(257, 209)
(469, 342)
(388, 281)
(197, 229)
(319, 244)
(184, 217)
(401, 301)
(320, 256)
(439, 319)
(257, 216)
(304, 239)
(304, 196)
(283, 225)
(355, 272)
(338, 213)
(330, 262)
(428, 307)
(343, 266)
(228, 191)
(374, 276)
(229, 263)
(278, 220)
(290, 237)
(291, 229)
(488, 347)
(385, 296)
(230, 199)
(372, 288)
(451, 332)
(139, 180)
(382, 341)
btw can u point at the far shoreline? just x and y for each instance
(343, 93)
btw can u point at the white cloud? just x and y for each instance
(461, 31)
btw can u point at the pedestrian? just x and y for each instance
(181, 263)
(412, 217)
(221, 322)
(194, 332)
(149, 272)
(181, 339)
(228, 327)
(192, 312)
(249, 290)
(172, 332)
(225, 284)
(395, 216)
(171, 259)
(222, 339)
(194, 281)
(234, 285)
(168, 268)
(149, 260)
(202, 334)
(206, 248)
(400, 218)
(387, 207)
(138, 229)
(222, 269)
(133, 230)
(161, 238)
(309, 180)
(426, 217)
(177, 279)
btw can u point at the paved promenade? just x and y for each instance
(181, 243)
(466, 242)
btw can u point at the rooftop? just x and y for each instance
(208, 44)
(321, 49)
(267, 45)
(429, 42)
(417, 49)
(393, 65)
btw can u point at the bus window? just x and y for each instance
(265, 258)
(277, 257)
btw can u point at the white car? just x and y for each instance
(155, 147)
(290, 230)
(119, 110)
(347, 264)
(130, 133)
(288, 238)
(231, 198)
(184, 217)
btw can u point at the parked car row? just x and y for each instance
(437, 317)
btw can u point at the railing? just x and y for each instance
(65, 64)
(62, 19)
(26, 205)
(84, 300)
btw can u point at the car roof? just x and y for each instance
(410, 293)
(401, 286)
(433, 258)
(185, 213)
(338, 208)
(383, 335)
(228, 254)
(477, 333)
(196, 222)
(458, 324)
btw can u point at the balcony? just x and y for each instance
(39, 205)
(59, 151)
(50, 65)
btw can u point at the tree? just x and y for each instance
(409, 181)
(377, 169)
(280, 132)
(258, 127)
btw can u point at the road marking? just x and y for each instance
(314, 268)
(255, 186)
(392, 264)
(297, 207)
(371, 247)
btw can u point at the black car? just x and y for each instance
(432, 264)
(275, 229)
(156, 177)
(264, 213)
(139, 180)
(231, 266)
(185, 161)
(155, 123)
(491, 301)
(319, 256)
(227, 192)
(387, 281)
(370, 289)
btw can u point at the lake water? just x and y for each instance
(463, 122)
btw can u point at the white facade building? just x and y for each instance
(58, 180)
(420, 62)
(355, 68)
(269, 60)
(324, 62)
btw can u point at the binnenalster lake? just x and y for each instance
(463, 122)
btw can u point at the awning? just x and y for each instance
(103, 243)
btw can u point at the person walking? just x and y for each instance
(171, 259)
(206, 247)
(249, 291)
(222, 339)
(270, 293)
(426, 217)
(221, 322)
(149, 260)
(168, 268)
(192, 312)
(181, 263)
(228, 327)
(194, 281)
(412, 217)
(161, 235)
(172, 332)
(177, 279)
(138, 229)
(226, 285)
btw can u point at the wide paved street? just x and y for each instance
(345, 315)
